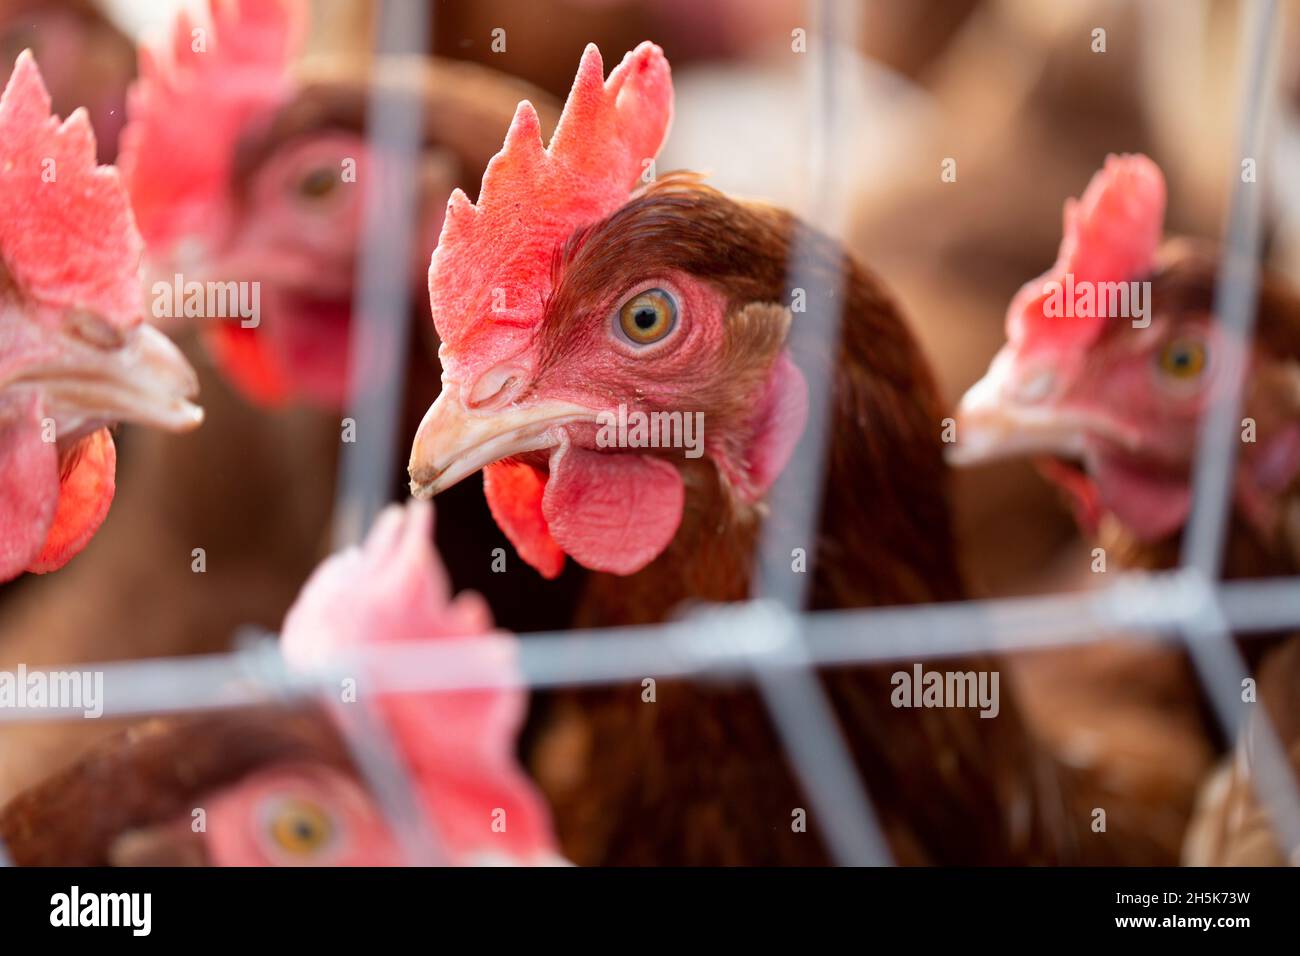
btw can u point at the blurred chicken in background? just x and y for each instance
(87, 60)
(1113, 405)
(275, 786)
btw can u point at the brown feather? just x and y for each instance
(156, 772)
(698, 776)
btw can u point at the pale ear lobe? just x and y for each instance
(1269, 469)
(756, 361)
(755, 334)
(782, 414)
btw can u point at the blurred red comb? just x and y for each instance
(189, 106)
(1110, 235)
(66, 233)
(491, 270)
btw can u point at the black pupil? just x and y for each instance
(318, 182)
(645, 318)
(1182, 358)
(303, 829)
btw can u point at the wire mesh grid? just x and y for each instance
(769, 639)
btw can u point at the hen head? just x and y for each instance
(200, 99)
(275, 786)
(584, 327)
(459, 745)
(296, 231)
(247, 163)
(74, 354)
(1124, 394)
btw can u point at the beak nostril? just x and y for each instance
(1036, 387)
(94, 330)
(495, 388)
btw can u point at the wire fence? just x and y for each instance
(769, 639)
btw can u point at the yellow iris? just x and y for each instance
(648, 316)
(1183, 359)
(300, 828)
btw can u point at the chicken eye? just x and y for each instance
(1183, 359)
(647, 317)
(319, 183)
(300, 828)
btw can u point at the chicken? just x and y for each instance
(261, 179)
(460, 745)
(671, 300)
(276, 786)
(89, 62)
(74, 356)
(1126, 397)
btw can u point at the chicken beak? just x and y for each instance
(141, 377)
(453, 442)
(993, 423)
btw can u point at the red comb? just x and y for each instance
(490, 273)
(66, 233)
(189, 108)
(1110, 235)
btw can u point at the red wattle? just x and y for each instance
(29, 486)
(612, 512)
(609, 512)
(514, 496)
(249, 364)
(85, 495)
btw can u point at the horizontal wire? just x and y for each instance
(723, 641)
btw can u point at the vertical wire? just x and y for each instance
(804, 718)
(1218, 662)
(381, 306)
(1234, 306)
(381, 310)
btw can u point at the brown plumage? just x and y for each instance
(155, 774)
(1231, 826)
(698, 777)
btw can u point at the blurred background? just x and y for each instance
(1012, 90)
